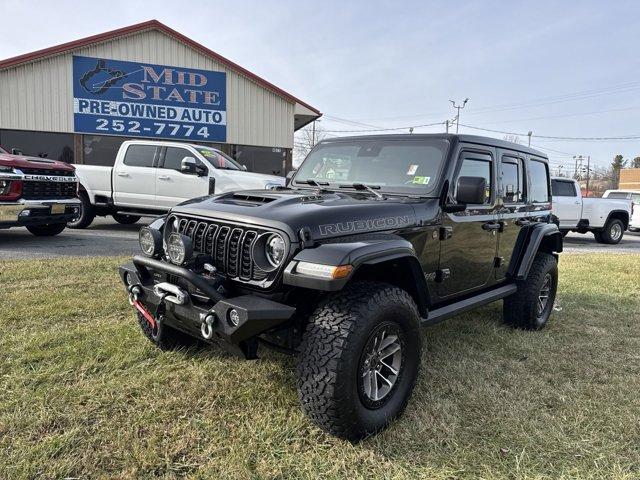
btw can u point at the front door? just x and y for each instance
(173, 186)
(469, 239)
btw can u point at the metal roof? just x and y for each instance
(141, 27)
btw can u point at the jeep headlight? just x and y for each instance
(269, 251)
(150, 241)
(179, 248)
(275, 249)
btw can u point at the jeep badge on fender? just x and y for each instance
(374, 238)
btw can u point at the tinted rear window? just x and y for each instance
(140, 155)
(539, 177)
(560, 188)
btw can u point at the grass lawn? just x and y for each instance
(85, 395)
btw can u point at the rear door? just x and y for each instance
(469, 240)
(567, 204)
(174, 186)
(514, 214)
(134, 179)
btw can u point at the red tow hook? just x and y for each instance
(134, 291)
(145, 313)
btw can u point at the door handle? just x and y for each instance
(163, 177)
(122, 174)
(489, 226)
(577, 202)
(522, 223)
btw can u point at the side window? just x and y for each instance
(140, 155)
(560, 188)
(635, 198)
(173, 158)
(513, 188)
(539, 178)
(477, 165)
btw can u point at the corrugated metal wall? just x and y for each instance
(38, 95)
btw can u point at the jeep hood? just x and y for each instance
(322, 214)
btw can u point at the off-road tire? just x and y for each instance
(86, 215)
(49, 230)
(520, 309)
(330, 358)
(126, 219)
(606, 234)
(165, 337)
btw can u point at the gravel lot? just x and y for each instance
(107, 238)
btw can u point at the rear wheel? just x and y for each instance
(126, 219)
(86, 213)
(612, 232)
(359, 359)
(47, 230)
(530, 307)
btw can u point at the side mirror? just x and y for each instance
(471, 190)
(16, 151)
(188, 165)
(244, 167)
(289, 176)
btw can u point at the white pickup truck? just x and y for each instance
(150, 177)
(606, 218)
(634, 197)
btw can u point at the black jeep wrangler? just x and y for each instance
(374, 237)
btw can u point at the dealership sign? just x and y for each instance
(112, 97)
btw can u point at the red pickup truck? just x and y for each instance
(37, 193)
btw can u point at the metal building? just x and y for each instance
(79, 101)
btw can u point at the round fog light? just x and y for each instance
(150, 241)
(179, 248)
(234, 317)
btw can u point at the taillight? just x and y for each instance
(10, 189)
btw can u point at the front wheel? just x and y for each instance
(359, 359)
(46, 230)
(530, 307)
(86, 213)
(126, 219)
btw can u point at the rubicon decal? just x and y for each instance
(363, 225)
(138, 99)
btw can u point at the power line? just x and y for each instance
(625, 137)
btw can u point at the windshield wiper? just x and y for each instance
(313, 182)
(368, 188)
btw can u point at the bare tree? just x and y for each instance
(512, 138)
(304, 140)
(635, 163)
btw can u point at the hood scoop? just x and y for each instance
(251, 200)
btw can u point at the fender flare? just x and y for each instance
(358, 252)
(621, 212)
(542, 236)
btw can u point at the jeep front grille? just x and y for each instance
(230, 246)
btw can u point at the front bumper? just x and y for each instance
(237, 319)
(37, 212)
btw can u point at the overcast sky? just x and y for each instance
(568, 69)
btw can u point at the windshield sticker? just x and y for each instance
(421, 180)
(207, 153)
(412, 169)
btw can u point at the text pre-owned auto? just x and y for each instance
(374, 238)
(37, 193)
(150, 177)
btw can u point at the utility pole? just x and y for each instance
(447, 124)
(458, 107)
(313, 134)
(529, 135)
(588, 172)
